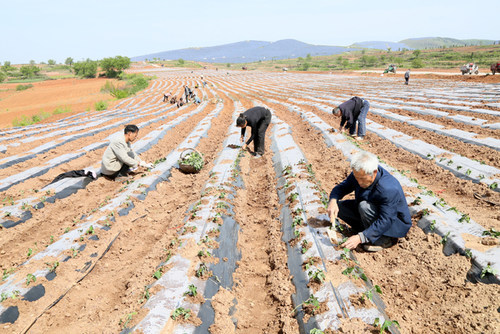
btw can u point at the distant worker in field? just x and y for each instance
(196, 99)
(166, 96)
(173, 100)
(180, 102)
(187, 93)
(407, 76)
(379, 213)
(258, 118)
(119, 158)
(352, 111)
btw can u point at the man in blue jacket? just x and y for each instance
(352, 111)
(379, 211)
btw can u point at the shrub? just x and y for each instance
(134, 83)
(86, 69)
(29, 71)
(69, 61)
(417, 63)
(3, 76)
(23, 87)
(101, 105)
(51, 62)
(61, 110)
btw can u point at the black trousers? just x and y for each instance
(122, 172)
(259, 141)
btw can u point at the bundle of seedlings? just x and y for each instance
(191, 161)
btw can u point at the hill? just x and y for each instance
(247, 51)
(439, 42)
(383, 45)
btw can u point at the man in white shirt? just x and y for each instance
(119, 157)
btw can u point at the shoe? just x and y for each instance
(359, 138)
(256, 156)
(379, 245)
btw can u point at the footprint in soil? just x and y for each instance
(315, 222)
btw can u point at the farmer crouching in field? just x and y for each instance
(119, 158)
(258, 118)
(352, 111)
(379, 212)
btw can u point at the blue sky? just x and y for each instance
(56, 29)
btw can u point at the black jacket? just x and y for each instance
(350, 110)
(255, 116)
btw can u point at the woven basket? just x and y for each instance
(188, 168)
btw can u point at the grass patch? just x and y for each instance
(23, 87)
(61, 110)
(25, 120)
(101, 105)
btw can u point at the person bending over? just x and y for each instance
(119, 157)
(258, 118)
(352, 111)
(378, 213)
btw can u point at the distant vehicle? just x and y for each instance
(284, 69)
(469, 68)
(495, 68)
(390, 69)
(244, 68)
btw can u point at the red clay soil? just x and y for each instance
(46, 96)
(425, 291)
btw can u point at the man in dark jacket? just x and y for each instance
(352, 111)
(379, 211)
(407, 76)
(187, 92)
(258, 118)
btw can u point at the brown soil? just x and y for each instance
(424, 290)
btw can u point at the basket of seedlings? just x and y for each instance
(191, 161)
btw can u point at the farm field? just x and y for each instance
(245, 245)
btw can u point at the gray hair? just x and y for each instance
(364, 161)
(336, 111)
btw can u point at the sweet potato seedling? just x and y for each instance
(488, 271)
(298, 220)
(417, 201)
(317, 276)
(432, 225)
(181, 312)
(444, 239)
(52, 266)
(90, 230)
(30, 278)
(385, 325)
(157, 274)
(192, 291)
(493, 186)
(316, 331)
(305, 245)
(492, 233)
(468, 253)
(369, 294)
(293, 197)
(30, 252)
(201, 270)
(7, 273)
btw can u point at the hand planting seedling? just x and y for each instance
(30, 278)
(192, 291)
(181, 312)
(385, 326)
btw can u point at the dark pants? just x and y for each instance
(122, 172)
(359, 216)
(406, 80)
(259, 141)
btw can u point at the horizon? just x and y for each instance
(108, 29)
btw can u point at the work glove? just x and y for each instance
(145, 164)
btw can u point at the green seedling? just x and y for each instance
(465, 218)
(169, 255)
(304, 248)
(430, 156)
(313, 301)
(287, 170)
(494, 185)
(30, 278)
(369, 294)
(25, 206)
(468, 253)
(157, 274)
(355, 272)
(7, 273)
(7, 214)
(488, 271)
(66, 230)
(316, 331)
(459, 167)
(222, 195)
(318, 276)
(90, 230)
(309, 263)
(204, 253)
(298, 220)
(30, 252)
(124, 322)
(181, 312)
(222, 205)
(467, 172)
(293, 197)
(417, 201)
(453, 209)
(296, 233)
(298, 211)
(192, 291)
(450, 163)
(146, 295)
(492, 233)
(201, 270)
(310, 170)
(414, 180)
(429, 193)
(4, 296)
(444, 239)
(385, 325)
(74, 252)
(432, 225)
(425, 212)
(441, 202)
(481, 176)
(52, 266)
(51, 241)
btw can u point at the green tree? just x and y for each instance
(51, 62)
(29, 71)
(32, 62)
(7, 67)
(181, 61)
(308, 57)
(416, 53)
(3, 76)
(417, 63)
(85, 69)
(339, 60)
(69, 61)
(113, 67)
(228, 65)
(345, 63)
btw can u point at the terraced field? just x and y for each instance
(245, 245)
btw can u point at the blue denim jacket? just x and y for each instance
(385, 192)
